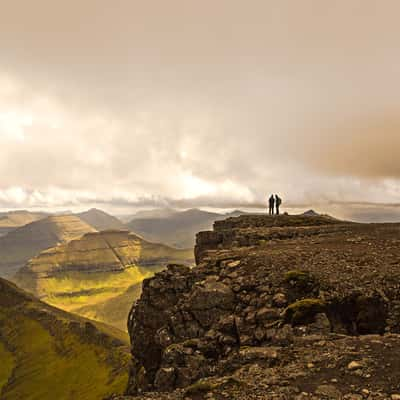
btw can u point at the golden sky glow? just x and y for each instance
(146, 103)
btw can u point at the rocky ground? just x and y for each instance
(277, 308)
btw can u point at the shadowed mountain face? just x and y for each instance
(155, 213)
(100, 271)
(23, 243)
(48, 354)
(177, 228)
(14, 219)
(100, 220)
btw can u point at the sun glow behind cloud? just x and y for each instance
(13, 124)
(158, 110)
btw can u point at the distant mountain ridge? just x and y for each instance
(23, 243)
(155, 213)
(100, 220)
(176, 228)
(11, 220)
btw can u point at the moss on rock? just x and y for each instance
(200, 386)
(299, 278)
(304, 311)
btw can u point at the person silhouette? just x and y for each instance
(278, 202)
(271, 202)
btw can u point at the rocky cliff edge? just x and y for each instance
(276, 308)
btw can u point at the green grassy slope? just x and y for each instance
(49, 354)
(115, 310)
(7, 365)
(97, 275)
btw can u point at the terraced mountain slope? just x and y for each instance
(23, 243)
(11, 220)
(288, 307)
(97, 276)
(100, 220)
(48, 354)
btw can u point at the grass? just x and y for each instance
(6, 365)
(71, 290)
(56, 365)
(113, 311)
(103, 296)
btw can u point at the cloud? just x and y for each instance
(188, 104)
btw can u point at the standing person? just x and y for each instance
(271, 204)
(278, 202)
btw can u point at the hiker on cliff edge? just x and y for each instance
(271, 202)
(278, 202)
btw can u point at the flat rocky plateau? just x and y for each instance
(287, 307)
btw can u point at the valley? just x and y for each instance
(98, 275)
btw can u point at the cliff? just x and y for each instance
(284, 307)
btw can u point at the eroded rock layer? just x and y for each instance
(277, 308)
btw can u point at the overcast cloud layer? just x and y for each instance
(129, 104)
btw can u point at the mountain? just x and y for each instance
(234, 213)
(176, 228)
(310, 213)
(155, 213)
(23, 243)
(281, 307)
(49, 354)
(97, 272)
(11, 220)
(100, 220)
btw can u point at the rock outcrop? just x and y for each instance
(285, 307)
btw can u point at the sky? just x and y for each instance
(140, 104)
